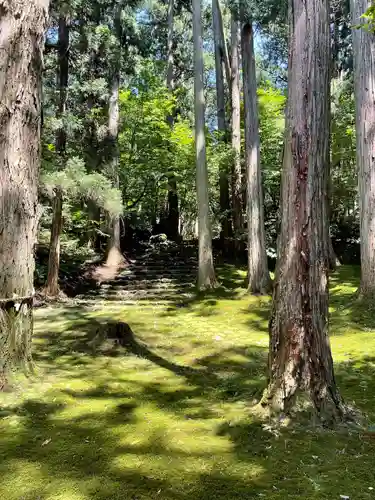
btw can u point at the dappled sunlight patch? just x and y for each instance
(173, 418)
(29, 480)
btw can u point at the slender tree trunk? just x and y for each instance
(206, 273)
(170, 68)
(333, 260)
(364, 88)
(236, 133)
(221, 120)
(222, 43)
(52, 288)
(258, 275)
(173, 210)
(114, 257)
(22, 26)
(113, 122)
(300, 355)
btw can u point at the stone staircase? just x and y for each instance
(158, 277)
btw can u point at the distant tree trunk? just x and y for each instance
(223, 43)
(257, 274)
(236, 133)
(300, 357)
(364, 88)
(333, 260)
(173, 210)
(22, 26)
(221, 120)
(94, 218)
(170, 68)
(114, 257)
(52, 284)
(206, 273)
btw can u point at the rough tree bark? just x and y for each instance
(300, 359)
(364, 88)
(173, 210)
(219, 43)
(236, 132)
(22, 25)
(257, 273)
(206, 273)
(114, 256)
(52, 288)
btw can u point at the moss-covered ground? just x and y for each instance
(174, 420)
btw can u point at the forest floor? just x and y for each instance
(177, 423)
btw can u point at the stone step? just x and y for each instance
(158, 271)
(145, 297)
(148, 286)
(95, 302)
(142, 292)
(161, 267)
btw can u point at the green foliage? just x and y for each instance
(343, 150)
(151, 150)
(271, 128)
(75, 182)
(368, 19)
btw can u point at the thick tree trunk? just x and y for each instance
(206, 273)
(300, 359)
(364, 88)
(236, 133)
(221, 120)
(22, 27)
(173, 208)
(257, 274)
(52, 288)
(114, 257)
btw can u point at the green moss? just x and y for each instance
(174, 421)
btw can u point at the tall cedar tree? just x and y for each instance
(220, 65)
(114, 251)
(22, 26)
(236, 130)
(173, 211)
(257, 271)
(52, 284)
(206, 272)
(364, 88)
(300, 359)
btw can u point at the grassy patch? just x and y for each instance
(173, 420)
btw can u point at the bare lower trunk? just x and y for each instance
(236, 134)
(52, 285)
(173, 215)
(257, 274)
(334, 261)
(221, 120)
(364, 88)
(173, 209)
(22, 27)
(206, 273)
(300, 359)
